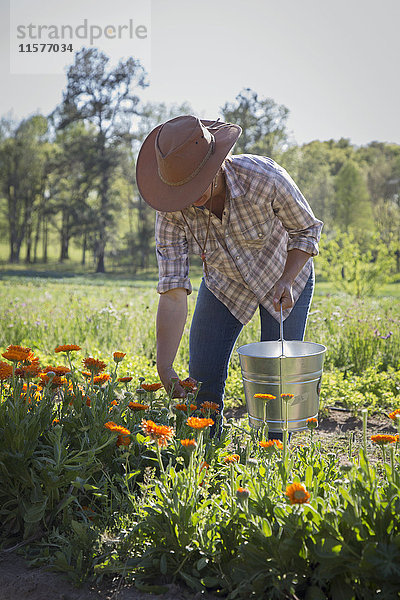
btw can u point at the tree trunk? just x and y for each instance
(84, 247)
(45, 239)
(64, 240)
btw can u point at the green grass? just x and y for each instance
(104, 313)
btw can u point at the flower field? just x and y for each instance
(104, 474)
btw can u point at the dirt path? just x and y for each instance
(19, 582)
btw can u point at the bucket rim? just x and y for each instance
(321, 349)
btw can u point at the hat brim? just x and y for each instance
(166, 198)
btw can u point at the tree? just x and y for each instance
(262, 120)
(352, 206)
(23, 173)
(357, 262)
(102, 97)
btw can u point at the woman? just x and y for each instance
(254, 231)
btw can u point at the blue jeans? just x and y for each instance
(214, 331)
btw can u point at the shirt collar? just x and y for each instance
(232, 181)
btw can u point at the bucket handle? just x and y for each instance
(281, 329)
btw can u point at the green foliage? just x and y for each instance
(160, 514)
(356, 261)
(352, 207)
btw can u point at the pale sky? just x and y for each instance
(333, 64)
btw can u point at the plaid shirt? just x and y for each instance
(264, 216)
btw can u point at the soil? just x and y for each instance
(18, 581)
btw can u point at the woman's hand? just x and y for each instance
(282, 294)
(170, 379)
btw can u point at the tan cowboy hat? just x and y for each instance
(179, 159)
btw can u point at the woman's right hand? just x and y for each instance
(170, 379)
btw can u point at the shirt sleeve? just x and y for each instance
(295, 214)
(172, 253)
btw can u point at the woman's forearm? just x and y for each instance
(171, 319)
(296, 259)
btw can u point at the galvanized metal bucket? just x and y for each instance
(282, 367)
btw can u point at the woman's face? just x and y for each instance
(204, 198)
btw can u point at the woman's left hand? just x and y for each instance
(282, 293)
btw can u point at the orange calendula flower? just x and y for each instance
(184, 408)
(161, 434)
(197, 423)
(136, 406)
(55, 421)
(297, 493)
(119, 356)
(189, 383)
(242, 493)
(271, 444)
(393, 415)
(67, 348)
(382, 439)
(312, 423)
(231, 458)
(265, 396)
(114, 403)
(56, 381)
(123, 440)
(28, 371)
(204, 465)
(18, 353)
(151, 387)
(94, 365)
(6, 370)
(110, 425)
(102, 378)
(189, 444)
(124, 379)
(61, 370)
(209, 406)
(287, 397)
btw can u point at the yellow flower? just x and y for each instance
(67, 348)
(297, 493)
(287, 397)
(265, 396)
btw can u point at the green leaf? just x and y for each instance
(201, 563)
(35, 512)
(163, 565)
(309, 476)
(266, 528)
